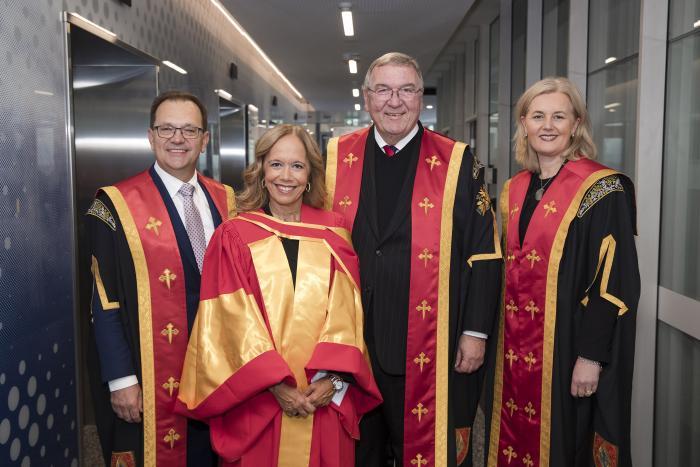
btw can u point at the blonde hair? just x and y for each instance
(255, 196)
(393, 58)
(582, 144)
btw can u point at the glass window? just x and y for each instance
(613, 31)
(612, 106)
(494, 33)
(677, 408)
(680, 226)
(683, 16)
(613, 45)
(555, 37)
(517, 65)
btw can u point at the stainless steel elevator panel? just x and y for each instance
(232, 147)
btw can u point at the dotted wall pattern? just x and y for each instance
(38, 414)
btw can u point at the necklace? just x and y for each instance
(540, 191)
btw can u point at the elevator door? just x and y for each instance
(232, 147)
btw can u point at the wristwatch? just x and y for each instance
(337, 382)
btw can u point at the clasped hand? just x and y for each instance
(296, 403)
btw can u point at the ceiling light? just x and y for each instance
(352, 65)
(224, 94)
(612, 105)
(610, 60)
(357, 107)
(348, 28)
(696, 24)
(105, 30)
(43, 93)
(250, 40)
(428, 106)
(355, 92)
(175, 67)
(252, 107)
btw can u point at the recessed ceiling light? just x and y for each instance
(610, 60)
(696, 24)
(355, 92)
(175, 67)
(352, 66)
(224, 94)
(348, 28)
(428, 106)
(357, 107)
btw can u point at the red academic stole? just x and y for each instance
(160, 285)
(521, 424)
(427, 359)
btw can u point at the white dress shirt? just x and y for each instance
(173, 184)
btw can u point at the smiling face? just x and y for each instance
(286, 172)
(393, 117)
(178, 155)
(549, 123)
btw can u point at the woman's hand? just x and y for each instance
(584, 381)
(293, 402)
(320, 393)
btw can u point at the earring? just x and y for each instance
(262, 183)
(308, 187)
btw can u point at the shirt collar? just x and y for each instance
(173, 184)
(401, 144)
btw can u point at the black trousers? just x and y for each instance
(381, 430)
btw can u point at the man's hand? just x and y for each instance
(584, 380)
(470, 354)
(127, 403)
(293, 402)
(320, 393)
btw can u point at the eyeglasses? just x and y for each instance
(405, 93)
(168, 131)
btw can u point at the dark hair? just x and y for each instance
(254, 196)
(178, 96)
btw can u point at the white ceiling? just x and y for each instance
(304, 38)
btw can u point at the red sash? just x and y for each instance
(160, 282)
(427, 359)
(520, 429)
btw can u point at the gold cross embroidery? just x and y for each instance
(532, 257)
(433, 161)
(532, 308)
(153, 224)
(511, 357)
(423, 307)
(419, 410)
(171, 437)
(418, 460)
(530, 360)
(425, 256)
(512, 307)
(527, 460)
(529, 410)
(511, 405)
(170, 385)
(510, 257)
(421, 359)
(550, 208)
(349, 159)
(515, 209)
(345, 202)
(167, 277)
(510, 453)
(426, 204)
(170, 331)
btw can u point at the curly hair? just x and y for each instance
(254, 196)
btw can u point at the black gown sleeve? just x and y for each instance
(611, 264)
(108, 302)
(481, 250)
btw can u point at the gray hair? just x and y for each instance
(393, 58)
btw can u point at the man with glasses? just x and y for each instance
(148, 236)
(424, 231)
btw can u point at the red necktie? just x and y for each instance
(390, 150)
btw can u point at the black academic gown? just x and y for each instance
(113, 348)
(594, 331)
